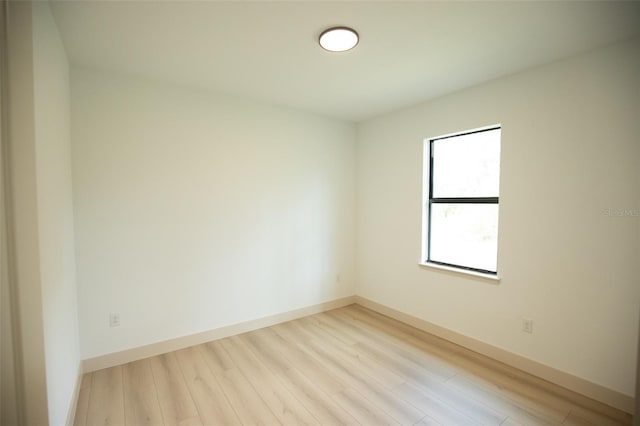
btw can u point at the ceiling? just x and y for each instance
(267, 50)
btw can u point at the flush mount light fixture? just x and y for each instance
(338, 39)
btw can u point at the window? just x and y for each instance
(461, 195)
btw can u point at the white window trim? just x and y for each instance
(490, 277)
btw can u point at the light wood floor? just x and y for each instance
(347, 366)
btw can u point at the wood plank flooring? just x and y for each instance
(349, 366)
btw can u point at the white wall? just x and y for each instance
(55, 212)
(22, 213)
(570, 150)
(195, 211)
(8, 396)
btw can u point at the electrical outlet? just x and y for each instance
(337, 278)
(527, 325)
(114, 319)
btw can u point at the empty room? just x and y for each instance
(319, 212)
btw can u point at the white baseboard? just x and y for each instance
(71, 414)
(134, 354)
(582, 386)
(576, 384)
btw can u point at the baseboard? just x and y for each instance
(582, 386)
(134, 354)
(576, 384)
(71, 414)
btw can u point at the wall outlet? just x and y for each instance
(114, 319)
(527, 325)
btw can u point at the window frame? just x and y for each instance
(453, 200)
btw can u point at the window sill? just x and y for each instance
(448, 269)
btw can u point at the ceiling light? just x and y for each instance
(338, 39)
